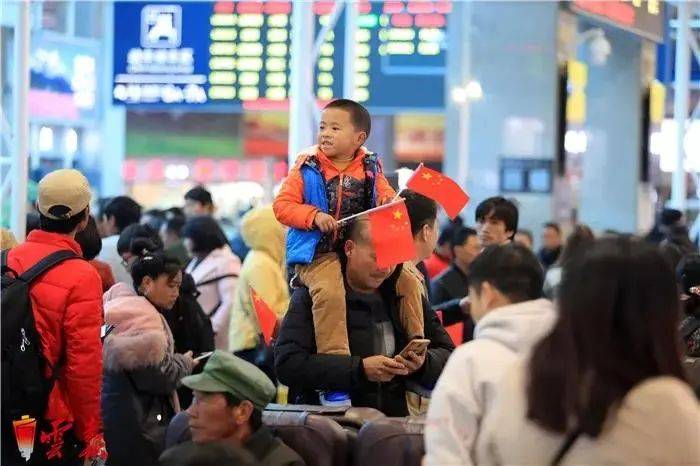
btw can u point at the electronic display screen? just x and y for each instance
(203, 53)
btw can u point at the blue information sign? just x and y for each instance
(204, 53)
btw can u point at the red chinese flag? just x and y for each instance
(440, 188)
(267, 319)
(390, 229)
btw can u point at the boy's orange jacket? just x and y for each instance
(342, 185)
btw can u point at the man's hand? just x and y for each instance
(324, 222)
(189, 357)
(382, 369)
(413, 361)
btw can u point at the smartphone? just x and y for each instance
(203, 355)
(418, 346)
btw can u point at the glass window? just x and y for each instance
(70, 141)
(88, 19)
(46, 139)
(54, 16)
(7, 70)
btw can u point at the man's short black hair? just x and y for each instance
(125, 211)
(461, 235)
(358, 114)
(499, 208)
(669, 217)
(421, 210)
(512, 269)
(200, 194)
(63, 227)
(554, 226)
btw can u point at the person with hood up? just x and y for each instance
(505, 284)
(263, 270)
(141, 370)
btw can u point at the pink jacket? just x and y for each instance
(217, 298)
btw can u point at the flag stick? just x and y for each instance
(343, 220)
(398, 195)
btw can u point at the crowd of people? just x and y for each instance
(153, 352)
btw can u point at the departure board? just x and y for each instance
(206, 53)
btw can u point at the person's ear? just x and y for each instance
(242, 412)
(360, 138)
(349, 248)
(146, 285)
(487, 295)
(425, 233)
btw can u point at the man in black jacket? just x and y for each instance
(453, 284)
(373, 373)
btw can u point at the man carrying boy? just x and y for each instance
(330, 181)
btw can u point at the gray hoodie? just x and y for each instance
(467, 385)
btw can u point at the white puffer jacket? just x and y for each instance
(468, 384)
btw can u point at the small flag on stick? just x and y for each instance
(390, 229)
(439, 188)
(267, 319)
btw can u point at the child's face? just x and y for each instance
(337, 136)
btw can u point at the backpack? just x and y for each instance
(25, 389)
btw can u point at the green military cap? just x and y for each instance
(226, 373)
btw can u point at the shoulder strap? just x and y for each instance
(569, 442)
(46, 263)
(216, 279)
(4, 268)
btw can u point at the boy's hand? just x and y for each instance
(324, 222)
(388, 200)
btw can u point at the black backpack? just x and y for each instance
(25, 389)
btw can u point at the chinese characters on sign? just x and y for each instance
(239, 51)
